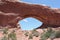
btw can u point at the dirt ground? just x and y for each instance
(20, 34)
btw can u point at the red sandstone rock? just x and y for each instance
(9, 11)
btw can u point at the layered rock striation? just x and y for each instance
(12, 12)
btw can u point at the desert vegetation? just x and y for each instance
(7, 35)
(49, 33)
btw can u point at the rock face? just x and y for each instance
(12, 12)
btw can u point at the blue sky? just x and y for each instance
(52, 3)
(31, 23)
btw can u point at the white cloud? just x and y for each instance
(25, 20)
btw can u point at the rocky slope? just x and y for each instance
(20, 34)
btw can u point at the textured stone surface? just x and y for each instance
(12, 12)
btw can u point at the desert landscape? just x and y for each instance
(28, 35)
(12, 11)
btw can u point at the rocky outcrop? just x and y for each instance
(12, 12)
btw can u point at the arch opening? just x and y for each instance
(30, 23)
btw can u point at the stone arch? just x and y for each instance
(36, 16)
(30, 23)
(43, 13)
(45, 22)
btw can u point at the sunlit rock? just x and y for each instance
(50, 17)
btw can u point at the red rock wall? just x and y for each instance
(17, 11)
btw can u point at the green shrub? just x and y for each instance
(4, 38)
(35, 33)
(30, 36)
(8, 36)
(47, 34)
(5, 31)
(57, 34)
(26, 33)
(12, 35)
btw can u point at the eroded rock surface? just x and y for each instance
(12, 12)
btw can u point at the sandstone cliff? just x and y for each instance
(12, 12)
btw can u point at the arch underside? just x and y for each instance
(44, 21)
(14, 21)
